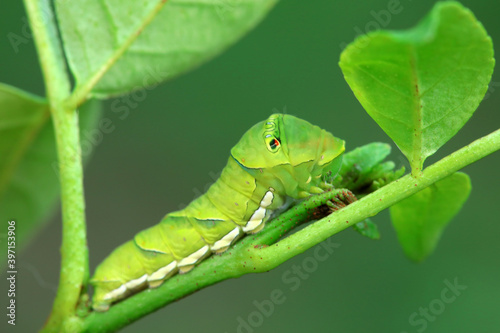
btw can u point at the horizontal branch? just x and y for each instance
(381, 199)
(252, 254)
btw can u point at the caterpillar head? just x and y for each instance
(290, 150)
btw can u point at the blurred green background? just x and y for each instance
(176, 138)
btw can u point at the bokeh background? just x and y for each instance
(177, 136)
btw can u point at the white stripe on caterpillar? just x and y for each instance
(255, 223)
(158, 277)
(222, 244)
(134, 284)
(194, 257)
(117, 293)
(187, 264)
(268, 198)
(155, 279)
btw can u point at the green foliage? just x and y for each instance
(421, 219)
(422, 85)
(92, 36)
(363, 170)
(98, 35)
(111, 48)
(29, 183)
(368, 229)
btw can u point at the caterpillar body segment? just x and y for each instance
(277, 161)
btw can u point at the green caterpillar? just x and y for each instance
(277, 161)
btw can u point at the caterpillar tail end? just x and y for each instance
(102, 299)
(117, 277)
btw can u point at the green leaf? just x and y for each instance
(420, 219)
(29, 184)
(181, 35)
(367, 228)
(422, 85)
(362, 166)
(366, 157)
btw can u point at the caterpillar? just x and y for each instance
(277, 161)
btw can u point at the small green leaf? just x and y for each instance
(420, 219)
(384, 174)
(29, 184)
(181, 35)
(367, 228)
(366, 157)
(422, 85)
(363, 169)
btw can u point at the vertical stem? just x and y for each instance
(74, 254)
(43, 26)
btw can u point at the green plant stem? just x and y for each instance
(50, 54)
(74, 254)
(249, 255)
(376, 202)
(212, 270)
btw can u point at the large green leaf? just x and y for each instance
(28, 160)
(420, 219)
(181, 35)
(422, 85)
